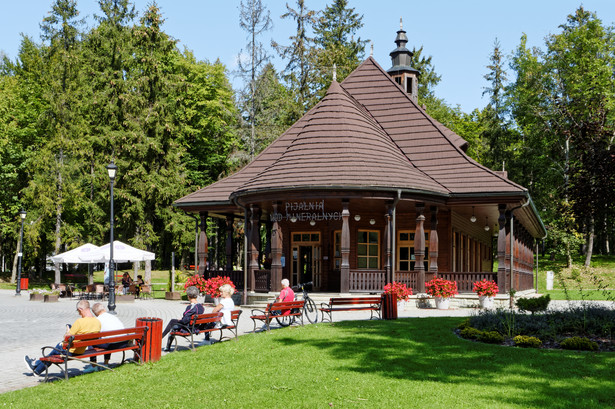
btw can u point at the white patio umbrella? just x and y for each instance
(74, 255)
(122, 253)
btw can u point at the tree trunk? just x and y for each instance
(590, 242)
(148, 272)
(15, 259)
(58, 219)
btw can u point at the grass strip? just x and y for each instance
(358, 364)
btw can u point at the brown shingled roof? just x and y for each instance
(341, 145)
(365, 133)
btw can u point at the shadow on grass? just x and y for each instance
(426, 349)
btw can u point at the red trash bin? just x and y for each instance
(23, 285)
(389, 307)
(152, 347)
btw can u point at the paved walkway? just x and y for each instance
(27, 325)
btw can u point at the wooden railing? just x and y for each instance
(367, 280)
(465, 281)
(236, 276)
(262, 280)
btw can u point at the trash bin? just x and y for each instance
(23, 285)
(152, 347)
(389, 307)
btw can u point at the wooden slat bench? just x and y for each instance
(197, 326)
(276, 309)
(371, 304)
(134, 337)
(235, 314)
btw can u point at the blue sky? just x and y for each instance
(459, 35)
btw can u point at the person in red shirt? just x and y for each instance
(287, 294)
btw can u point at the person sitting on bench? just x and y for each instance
(193, 309)
(226, 306)
(85, 325)
(108, 322)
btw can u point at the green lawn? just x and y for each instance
(405, 363)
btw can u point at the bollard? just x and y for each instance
(389, 307)
(550, 280)
(152, 348)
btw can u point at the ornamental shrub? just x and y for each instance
(534, 304)
(525, 341)
(579, 343)
(491, 337)
(470, 333)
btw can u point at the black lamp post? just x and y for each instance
(111, 169)
(22, 215)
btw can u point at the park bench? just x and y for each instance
(278, 309)
(132, 339)
(197, 326)
(235, 314)
(371, 304)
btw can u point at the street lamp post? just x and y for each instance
(22, 215)
(111, 169)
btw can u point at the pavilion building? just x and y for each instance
(366, 188)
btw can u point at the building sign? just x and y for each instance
(305, 211)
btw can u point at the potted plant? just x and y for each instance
(212, 287)
(196, 281)
(399, 290)
(37, 294)
(51, 296)
(486, 291)
(442, 290)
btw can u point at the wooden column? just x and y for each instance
(502, 249)
(230, 219)
(203, 244)
(433, 241)
(388, 234)
(419, 246)
(276, 252)
(255, 242)
(345, 247)
(268, 243)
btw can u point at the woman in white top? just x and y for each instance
(226, 306)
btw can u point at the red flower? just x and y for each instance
(439, 287)
(400, 290)
(484, 287)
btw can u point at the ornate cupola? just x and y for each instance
(401, 71)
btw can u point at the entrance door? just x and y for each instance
(306, 259)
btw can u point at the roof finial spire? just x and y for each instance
(371, 51)
(401, 24)
(334, 72)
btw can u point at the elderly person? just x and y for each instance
(85, 325)
(108, 322)
(287, 293)
(193, 309)
(226, 306)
